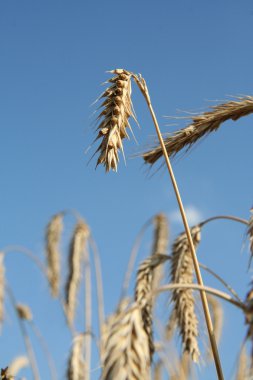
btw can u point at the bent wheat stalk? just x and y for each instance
(143, 87)
(201, 125)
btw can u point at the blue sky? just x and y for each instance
(54, 55)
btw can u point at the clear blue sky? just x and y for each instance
(53, 58)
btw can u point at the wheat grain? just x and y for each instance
(17, 364)
(127, 354)
(114, 118)
(143, 289)
(201, 125)
(77, 246)
(182, 271)
(24, 312)
(53, 236)
(76, 363)
(2, 287)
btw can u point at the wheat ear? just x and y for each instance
(17, 364)
(53, 236)
(182, 271)
(76, 363)
(77, 246)
(127, 353)
(160, 244)
(2, 287)
(143, 289)
(201, 125)
(114, 118)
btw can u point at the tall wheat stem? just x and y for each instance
(143, 87)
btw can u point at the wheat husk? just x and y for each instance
(113, 120)
(127, 354)
(53, 236)
(182, 271)
(200, 126)
(77, 246)
(76, 362)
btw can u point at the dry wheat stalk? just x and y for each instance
(2, 287)
(143, 289)
(76, 363)
(201, 125)
(53, 236)
(114, 118)
(77, 246)
(182, 271)
(127, 354)
(160, 244)
(217, 317)
(24, 312)
(17, 364)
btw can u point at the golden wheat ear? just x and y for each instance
(182, 271)
(52, 238)
(201, 125)
(113, 119)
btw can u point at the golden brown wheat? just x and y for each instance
(76, 363)
(77, 246)
(114, 118)
(182, 271)
(24, 312)
(143, 289)
(201, 125)
(127, 355)
(53, 236)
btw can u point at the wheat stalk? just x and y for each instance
(77, 246)
(76, 363)
(182, 271)
(127, 354)
(114, 118)
(2, 287)
(143, 289)
(53, 236)
(201, 125)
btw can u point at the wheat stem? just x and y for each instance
(143, 87)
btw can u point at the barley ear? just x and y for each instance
(53, 236)
(117, 109)
(182, 271)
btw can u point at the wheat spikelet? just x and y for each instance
(182, 271)
(77, 246)
(76, 363)
(17, 364)
(160, 244)
(53, 236)
(127, 355)
(143, 289)
(24, 312)
(2, 287)
(217, 317)
(114, 118)
(201, 125)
